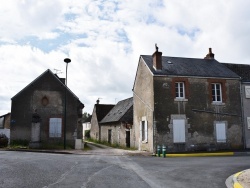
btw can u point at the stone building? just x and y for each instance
(116, 126)
(99, 112)
(186, 104)
(243, 71)
(46, 96)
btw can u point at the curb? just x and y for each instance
(236, 184)
(199, 154)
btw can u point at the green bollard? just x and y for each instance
(164, 150)
(158, 150)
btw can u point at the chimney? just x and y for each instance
(210, 55)
(98, 101)
(157, 59)
(62, 80)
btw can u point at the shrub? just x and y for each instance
(87, 134)
(3, 140)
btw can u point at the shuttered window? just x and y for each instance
(55, 127)
(247, 91)
(179, 131)
(248, 122)
(221, 132)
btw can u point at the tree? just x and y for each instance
(85, 116)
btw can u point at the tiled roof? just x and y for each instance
(242, 70)
(122, 111)
(179, 66)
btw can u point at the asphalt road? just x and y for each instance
(26, 169)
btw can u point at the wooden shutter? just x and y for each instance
(247, 91)
(179, 131)
(221, 132)
(248, 122)
(55, 127)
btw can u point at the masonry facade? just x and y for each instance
(186, 104)
(117, 125)
(45, 96)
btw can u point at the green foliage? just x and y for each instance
(19, 144)
(3, 140)
(87, 134)
(85, 116)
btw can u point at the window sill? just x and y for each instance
(144, 142)
(180, 100)
(218, 103)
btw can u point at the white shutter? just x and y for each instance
(146, 131)
(55, 127)
(140, 131)
(248, 122)
(179, 131)
(247, 91)
(221, 132)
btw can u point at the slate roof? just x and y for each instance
(122, 111)
(102, 110)
(179, 66)
(242, 70)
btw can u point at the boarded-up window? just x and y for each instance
(221, 132)
(179, 131)
(55, 127)
(248, 122)
(247, 91)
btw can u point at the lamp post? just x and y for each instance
(67, 61)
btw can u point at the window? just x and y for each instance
(216, 92)
(55, 127)
(1, 122)
(221, 132)
(179, 131)
(179, 90)
(247, 91)
(248, 122)
(144, 131)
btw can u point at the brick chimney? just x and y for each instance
(157, 59)
(210, 55)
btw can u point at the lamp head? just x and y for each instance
(67, 60)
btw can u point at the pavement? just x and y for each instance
(237, 180)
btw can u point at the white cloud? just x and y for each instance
(105, 38)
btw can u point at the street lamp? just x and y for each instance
(67, 61)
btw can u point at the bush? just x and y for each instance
(87, 134)
(3, 140)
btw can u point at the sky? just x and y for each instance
(105, 38)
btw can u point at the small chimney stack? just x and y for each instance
(157, 59)
(97, 101)
(210, 55)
